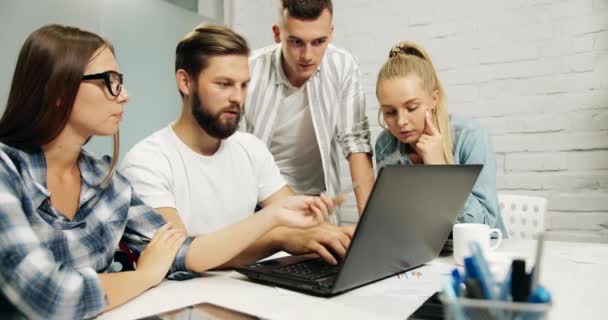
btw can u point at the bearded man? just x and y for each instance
(200, 174)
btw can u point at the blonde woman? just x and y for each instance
(420, 131)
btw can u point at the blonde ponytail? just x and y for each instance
(408, 57)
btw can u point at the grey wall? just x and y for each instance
(533, 72)
(144, 33)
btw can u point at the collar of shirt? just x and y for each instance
(90, 170)
(277, 68)
(391, 150)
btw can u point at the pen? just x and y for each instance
(520, 281)
(469, 270)
(474, 291)
(537, 262)
(453, 305)
(484, 275)
(538, 295)
(457, 278)
(505, 288)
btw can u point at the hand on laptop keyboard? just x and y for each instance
(323, 240)
(310, 270)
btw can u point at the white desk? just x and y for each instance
(575, 273)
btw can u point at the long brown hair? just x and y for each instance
(408, 57)
(47, 76)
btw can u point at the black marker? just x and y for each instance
(520, 281)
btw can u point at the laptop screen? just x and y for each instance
(407, 220)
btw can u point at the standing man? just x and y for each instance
(200, 174)
(305, 102)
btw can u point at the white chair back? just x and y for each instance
(524, 216)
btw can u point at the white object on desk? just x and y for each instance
(577, 288)
(230, 289)
(464, 233)
(524, 216)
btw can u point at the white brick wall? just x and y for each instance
(534, 72)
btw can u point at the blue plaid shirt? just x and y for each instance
(49, 264)
(472, 145)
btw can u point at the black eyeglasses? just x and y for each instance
(112, 79)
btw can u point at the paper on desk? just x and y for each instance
(419, 282)
(400, 295)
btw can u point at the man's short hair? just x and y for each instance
(205, 41)
(306, 9)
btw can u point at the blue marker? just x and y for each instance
(469, 271)
(486, 280)
(539, 295)
(457, 282)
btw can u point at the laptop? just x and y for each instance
(406, 222)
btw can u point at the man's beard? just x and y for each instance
(211, 123)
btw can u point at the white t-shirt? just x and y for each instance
(294, 144)
(208, 192)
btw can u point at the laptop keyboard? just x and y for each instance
(310, 270)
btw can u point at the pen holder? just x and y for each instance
(478, 309)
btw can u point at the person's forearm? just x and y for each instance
(212, 250)
(362, 173)
(120, 287)
(266, 245)
(171, 216)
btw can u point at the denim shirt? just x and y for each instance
(472, 145)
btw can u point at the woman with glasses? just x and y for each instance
(63, 212)
(418, 129)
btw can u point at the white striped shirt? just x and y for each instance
(336, 99)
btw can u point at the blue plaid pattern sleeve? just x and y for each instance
(143, 222)
(50, 264)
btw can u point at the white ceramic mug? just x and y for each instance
(464, 233)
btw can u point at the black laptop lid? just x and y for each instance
(407, 220)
